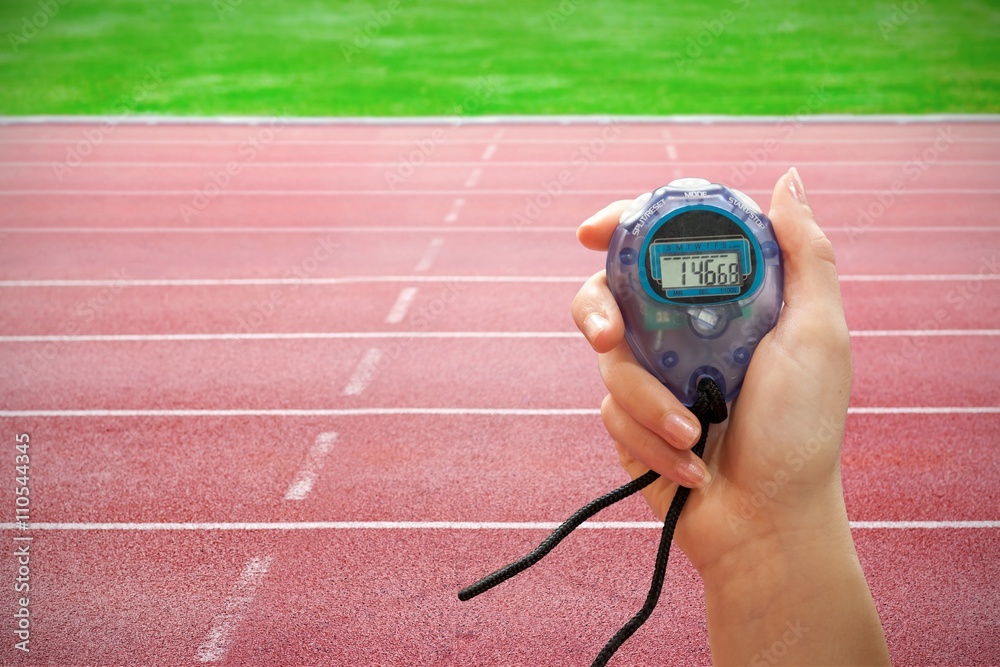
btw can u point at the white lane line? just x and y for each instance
(464, 525)
(402, 305)
(908, 278)
(303, 482)
(897, 230)
(437, 412)
(220, 636)
(473, 178)
(361, 280)
(926, 123)
(364, 373)
(922, 333)
(592, 193)
(397, 314)
(921, 525)
(672, 151)
(488, 152)
(500, 163)
(501, 120)
(433, 248)
(927, 410)
(452, 215)
(906, 142)
(320, 335)
(352, 280)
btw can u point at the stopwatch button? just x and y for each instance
(688, 183)
(634, 208)
(751, 204)
(708, 316)
(708, 322)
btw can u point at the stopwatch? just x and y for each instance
(697, 273)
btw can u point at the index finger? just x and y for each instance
(646, 400)
(595, 232)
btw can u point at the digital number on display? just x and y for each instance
(709, 270)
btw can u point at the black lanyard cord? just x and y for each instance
(557, 536)
(710, 408)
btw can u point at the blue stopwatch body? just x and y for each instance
(697, 273)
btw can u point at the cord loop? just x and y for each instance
(710, 408)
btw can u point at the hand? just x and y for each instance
(770, 482)
(782, 440)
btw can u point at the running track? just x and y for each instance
(283, 420)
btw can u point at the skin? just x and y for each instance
(766, 526)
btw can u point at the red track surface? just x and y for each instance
(480, 247)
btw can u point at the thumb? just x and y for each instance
(812, 287)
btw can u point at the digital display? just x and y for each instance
(717, 269)
(706, 267)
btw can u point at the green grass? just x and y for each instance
(444, 57)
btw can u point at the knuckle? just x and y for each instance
(580, 308)
(606, 367)
(588, 299)
(613, 372)
(608, 409)
(830, 331)
(611, 415)
(830, 339)
(822, 248)
(632, 395)
(839, 340)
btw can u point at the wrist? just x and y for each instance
(782, 536)
(793, 596)
(772, 568)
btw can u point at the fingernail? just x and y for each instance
(693, 473)
(595, 324)
(679, 431)
(795, 186)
